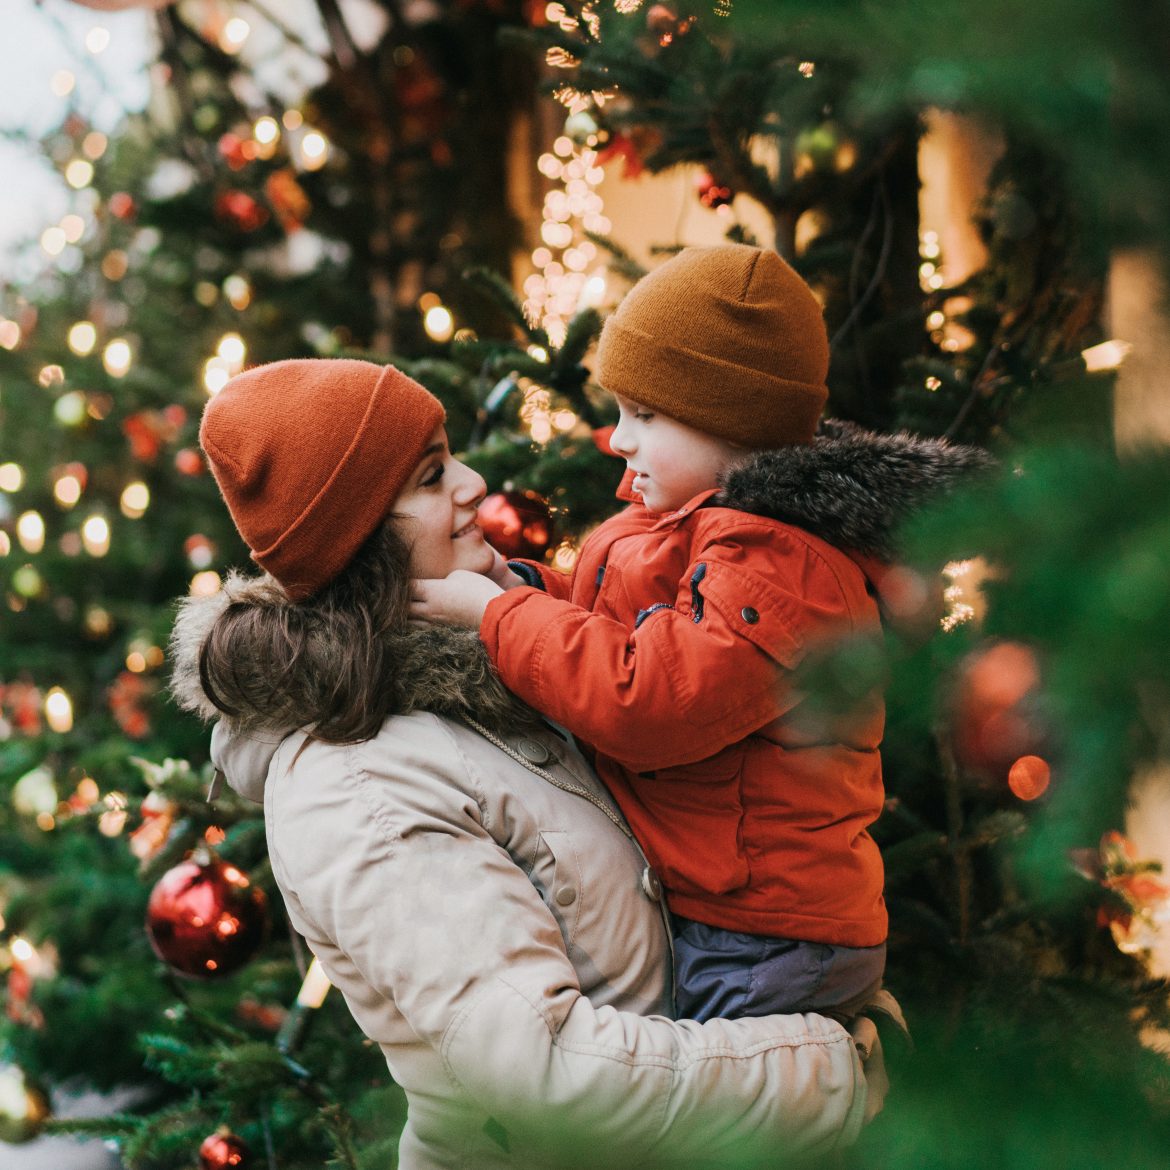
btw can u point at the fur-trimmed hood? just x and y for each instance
(851, 487)
(439, 669)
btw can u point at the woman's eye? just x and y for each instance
(434, 476)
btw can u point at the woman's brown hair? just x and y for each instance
(325, 662)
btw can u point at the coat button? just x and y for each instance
(749, 615)
(651, 886)
(534, 752)
(566, 896)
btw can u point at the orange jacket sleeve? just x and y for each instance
(694, 677)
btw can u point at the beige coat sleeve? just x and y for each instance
(393, 861)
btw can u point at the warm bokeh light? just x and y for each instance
(62, 83)
(30, 531)
(74, 228)
(53, 241)
(1106, 356)
(116, 358)
(9, 334)
(97, 40)
(216, 375)
(59, 710)
(82, 338)
(266, 130)
(67, 490)
(205, 584)
(95, 536)
(135, 500)
(314, 150)
(234, 34)
(438, 323)
(11, 477)
(233, 351)
(79, 173)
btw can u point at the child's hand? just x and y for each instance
(458, 599)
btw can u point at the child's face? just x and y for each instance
(672, 462)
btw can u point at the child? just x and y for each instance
(670, 650)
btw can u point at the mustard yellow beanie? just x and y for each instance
(729, 340)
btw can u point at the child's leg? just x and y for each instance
(725, 973)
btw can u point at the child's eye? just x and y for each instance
(643, 415)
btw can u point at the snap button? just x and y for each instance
(749, 615)
(534, 752)
(651, 886)
(566, 896)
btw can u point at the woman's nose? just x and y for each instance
(470, 485)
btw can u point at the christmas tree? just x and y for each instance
(1025, 645)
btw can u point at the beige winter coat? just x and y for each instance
(495, 930)
(500, 939)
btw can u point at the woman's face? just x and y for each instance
(436, 513)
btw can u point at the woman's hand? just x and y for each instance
(458, 599)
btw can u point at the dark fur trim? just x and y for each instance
(851, 487)
(441, 669)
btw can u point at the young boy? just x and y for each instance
(670, 649)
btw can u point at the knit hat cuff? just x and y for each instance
(401, 418)
(707, 393)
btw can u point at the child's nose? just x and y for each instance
(620, 442)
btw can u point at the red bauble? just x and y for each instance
(206, 919)
(713, 193)
(121, 205)
(240, 209)
(517, 524)
(223, 1150)
(995, 714)
(188, 461)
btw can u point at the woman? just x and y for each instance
(460, 873)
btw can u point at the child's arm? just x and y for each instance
(697, 674)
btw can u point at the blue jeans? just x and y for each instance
(724, 973)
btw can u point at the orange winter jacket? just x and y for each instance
(669, 653)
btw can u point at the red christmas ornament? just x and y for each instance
(188, 461)
(995, 717)
(121, 205)
(223, 1150)
(206, 919)
(711, 192)
(241, 210)
(517, 524)
(236, 151)
(1028, 777)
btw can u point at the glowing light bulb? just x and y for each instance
(314, 150)
(79, 173)
(95, 536)
(438, 323)
(234, 34)
(1106, 356)
(59, 710)
(67, 490)
(116, 358)
(53, 241)
(135, 500)
(266, 130)
(232, 349)
(82, 338)
(30, 531)
(216, 375)
(205, 584)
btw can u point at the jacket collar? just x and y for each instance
(851, 487)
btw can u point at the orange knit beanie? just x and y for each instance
(729, 340)
(310, 455)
